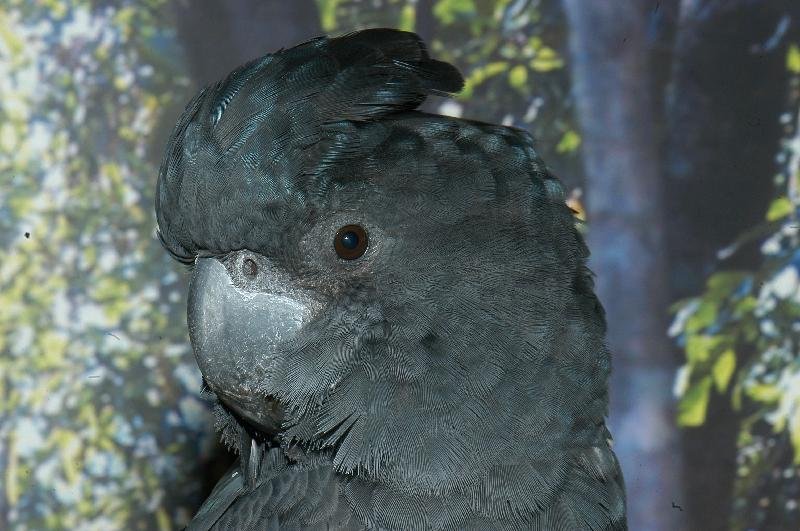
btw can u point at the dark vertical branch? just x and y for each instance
(723, 130)
(612, 88)
(727, 91)
(425, 23)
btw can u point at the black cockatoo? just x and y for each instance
(391, 308)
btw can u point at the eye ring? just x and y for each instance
(249, 267)
(350, 242)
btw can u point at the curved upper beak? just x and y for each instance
(234, 334)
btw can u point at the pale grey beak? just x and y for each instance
(235, 330)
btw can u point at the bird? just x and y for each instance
(391, 309)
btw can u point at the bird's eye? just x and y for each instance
(249, 267)
(350, 242)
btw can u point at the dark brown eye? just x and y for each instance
(350, 242)
(249, 267)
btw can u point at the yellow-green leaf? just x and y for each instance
(408, 16)
(569, 142)
(764, 393)
(479, 75)
(327, 13)
(13, 41)
(779, 208)
(745, 306)
(723, 369)
(518, 77)
(724, 282)
(795, 437)
(447, 10)
(546, 59)
(703, 316)
(699, 347)
(692, 407)
(793, 59)
(736, 397)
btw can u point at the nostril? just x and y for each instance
(249, 267)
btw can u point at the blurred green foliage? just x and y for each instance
(741, 338)
(100, 419)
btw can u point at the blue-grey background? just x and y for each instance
(674, 125)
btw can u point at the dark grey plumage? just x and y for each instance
(455, 376)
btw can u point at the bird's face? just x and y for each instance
(262, 323)
(374, 324)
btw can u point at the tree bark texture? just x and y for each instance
(612, 89)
